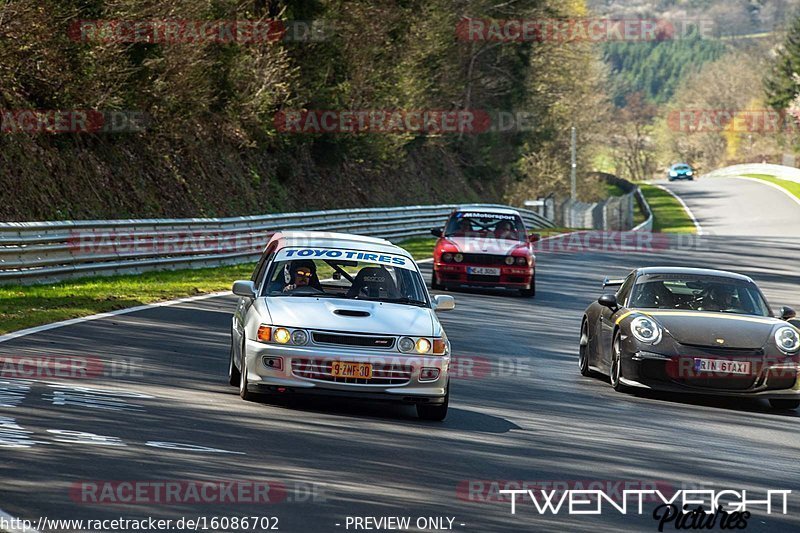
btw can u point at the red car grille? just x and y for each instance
(484, 259)
(382, 374)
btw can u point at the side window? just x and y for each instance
(625, 290)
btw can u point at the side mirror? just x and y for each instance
(443, 302)
(436, 232)
(787, 313)
(244, 288)
(608, 300)
(534, 237)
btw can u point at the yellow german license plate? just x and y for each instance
(342, 369)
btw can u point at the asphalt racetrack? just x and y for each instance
(160, 409)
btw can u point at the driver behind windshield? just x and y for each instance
(298, 274)
(718, 298)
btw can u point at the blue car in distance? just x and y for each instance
(680, 171)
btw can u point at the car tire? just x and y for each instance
(233, 373)
(615, 372)
(530, 293)
(434, 285)
(784, 404)
(435, 413)
(583, 351)
(243, 392)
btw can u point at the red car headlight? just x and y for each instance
(447, 257)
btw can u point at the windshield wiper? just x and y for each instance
(409, 301)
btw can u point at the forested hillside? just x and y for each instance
(211, 146)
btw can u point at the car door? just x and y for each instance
(244, 303)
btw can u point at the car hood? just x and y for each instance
(716, 329)
(487, 245)
(320, 314)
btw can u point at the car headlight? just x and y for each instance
(522, 261)
(787, 339)
(458, 258)
(406, 344)
(447, 257)
(423, 345)
(281, 336)
(689, 172)
(299, 337)
(509, 260)
(673, 173)
(646, 330)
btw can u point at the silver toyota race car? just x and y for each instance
(340, 315)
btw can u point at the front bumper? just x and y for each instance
(456, 275)
(773, 379)
(400, 379)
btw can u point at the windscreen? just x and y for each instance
(698, 293)
(493, 225)
(328, 273)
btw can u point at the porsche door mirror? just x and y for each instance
(787, 313)
(608, 300)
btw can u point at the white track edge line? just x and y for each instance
(685, 208)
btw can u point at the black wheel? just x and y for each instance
(583, 353)
(436, 413)
(530, 293)
(233, 373)
(616, 365)
(784, 405)
(434, 285)
(243, 392)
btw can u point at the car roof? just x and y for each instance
(681, 165)
(693, 271)
(489, 209)
(326, 239)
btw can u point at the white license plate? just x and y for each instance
(483, 271)
(722, 366)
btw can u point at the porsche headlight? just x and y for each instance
(646, 330)
(787, 339)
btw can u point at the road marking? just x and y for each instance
(685, 208)
(794, 198)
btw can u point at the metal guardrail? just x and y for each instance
(48, 251)
(647, 225)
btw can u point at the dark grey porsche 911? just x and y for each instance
(692, 331)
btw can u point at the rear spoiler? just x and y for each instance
(612, 282)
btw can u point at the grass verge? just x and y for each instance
(669, 216)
